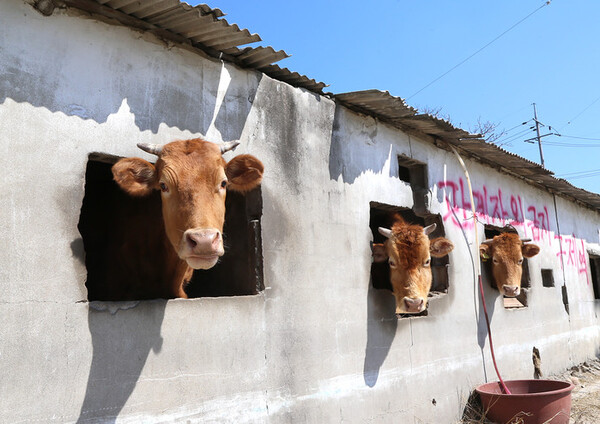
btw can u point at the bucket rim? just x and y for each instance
(568, 387)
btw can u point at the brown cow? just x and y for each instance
(167, 242)
(408, 251)
(507, 251)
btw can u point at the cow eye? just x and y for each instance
(392, 264)
(495, 261)
(223, 183)
(427, 262)
(520, 261)
(163, 187)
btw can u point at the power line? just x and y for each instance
(580, 113)
(516, 126)
(593, 174)
(579, 138)
(513, 137)
(559, 144)
(546, 3)
(578, 173)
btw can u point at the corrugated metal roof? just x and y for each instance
(394, 111)
(203, 28)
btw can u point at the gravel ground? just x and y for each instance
(586, 395)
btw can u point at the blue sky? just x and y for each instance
(552, 58)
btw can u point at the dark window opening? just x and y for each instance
(415, 173)
(547, 278)
(595, 272)
(102, 219)
(382, 215)
(486, 271)
(404, 173)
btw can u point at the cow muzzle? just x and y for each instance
(201, 248)
(411, 305)
(511, 291)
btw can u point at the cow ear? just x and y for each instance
(135, 176)
(379, 252)
(244, 173)
(530, 250)
(484, 251)
(440, 246)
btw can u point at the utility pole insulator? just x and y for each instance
(539, 139)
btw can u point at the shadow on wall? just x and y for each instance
(121, 342)
(381, 329)
(348, 162)
(490, 301)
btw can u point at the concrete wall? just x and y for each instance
(319, 344)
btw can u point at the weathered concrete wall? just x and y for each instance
(319, 344)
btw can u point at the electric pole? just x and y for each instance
(539, 139)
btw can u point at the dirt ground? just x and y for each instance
(586, 395)
(585, 408)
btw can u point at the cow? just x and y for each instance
(165, 237)
(408, 251)
(507, 251)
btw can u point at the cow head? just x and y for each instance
(506, 251)
(193, 178)
(408, 251)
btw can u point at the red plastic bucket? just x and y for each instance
(530, 402)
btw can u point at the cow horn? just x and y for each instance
(430, 229)
(488, 241)
(155, 149)
(385, 232)
(229, 145)
(526, 240)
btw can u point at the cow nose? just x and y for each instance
(511, 291)
(203, 241)
(413, 304)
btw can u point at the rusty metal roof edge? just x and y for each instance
(556, 186)
(359, 100)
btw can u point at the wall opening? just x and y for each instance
(415, 173)
(382, 215)
(107, 210)
(595, 272)
(547, 278)
(509, 302)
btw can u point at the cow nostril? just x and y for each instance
(190, 239)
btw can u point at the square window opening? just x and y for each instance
(486, 271)
(106, 217)
(547, 278)
(404, 173)
(595, 272)
(414, 172)
(382, 215)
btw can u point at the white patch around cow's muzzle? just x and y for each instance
(410, 305)
(511, 291)
(201, 247)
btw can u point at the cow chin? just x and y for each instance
(202, 262)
